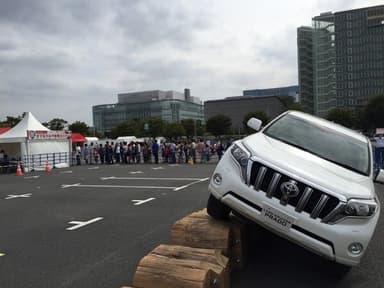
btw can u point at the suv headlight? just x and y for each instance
(241, 156)
(360, 208)
(356, 208)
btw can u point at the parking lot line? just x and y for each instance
(150, 178)
(117, 186)
(190, 184)
(32, 177)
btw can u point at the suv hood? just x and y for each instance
(320, 173)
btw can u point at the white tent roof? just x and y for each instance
(19, 132)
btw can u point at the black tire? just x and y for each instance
(216, 209)
(338, 270)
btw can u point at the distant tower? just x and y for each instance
(187, 94)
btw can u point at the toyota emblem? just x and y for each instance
(288, 189)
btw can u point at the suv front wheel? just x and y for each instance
(216, 209)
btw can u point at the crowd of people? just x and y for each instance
(171, 152)
(378, 144)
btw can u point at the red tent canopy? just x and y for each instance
(78, 138)
(4, 129)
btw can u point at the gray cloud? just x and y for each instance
(53, 53)
(6, 46)
(150, 22)
(47, 16)
(29, 12)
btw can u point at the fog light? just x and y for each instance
(355, 248)
(217, 179)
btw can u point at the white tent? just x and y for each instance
(92, 139)
(31, 142)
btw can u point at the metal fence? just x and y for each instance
(40, 161)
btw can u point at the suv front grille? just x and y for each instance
(299, 195)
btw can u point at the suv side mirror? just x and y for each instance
(380, 177)
(254, 123)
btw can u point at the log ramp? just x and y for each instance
(202, 253)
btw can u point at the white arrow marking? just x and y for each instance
(66, 172)
(70, 185)
(18, 196)
(157, 168)
(139, 202)
(173, 165)
(93, 168)
(79, 224)
(136, 172)
(32, 177)
(190, 184)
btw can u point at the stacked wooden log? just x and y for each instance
(202, 231)
(179, 266)
(202, 253)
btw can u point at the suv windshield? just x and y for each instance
(326, 143)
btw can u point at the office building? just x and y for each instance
(278, 91)
(237, 107)
(305, 63)
(346, 66)
(169, 106)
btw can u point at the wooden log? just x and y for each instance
(185, 267)
(199, 230)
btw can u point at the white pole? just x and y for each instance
(27, 148)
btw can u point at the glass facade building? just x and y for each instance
(279, 91)
(347, 59)
(171, 108)
(305, 64)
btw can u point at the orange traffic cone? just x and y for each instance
(48, 168)
(19, 172)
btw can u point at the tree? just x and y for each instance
(155, 126)
(374, 113)
(132, 127)
(341, 116)
(56, 124)
(297, 107)
(189, 127)
(219, 125)
(360, 121)
(174, 130)
(11, 121)
(200, 128)
(79, 127)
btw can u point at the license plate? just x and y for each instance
(277, 218)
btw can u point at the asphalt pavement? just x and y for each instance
(117, 215)
(89, 226)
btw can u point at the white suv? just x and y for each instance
(306, 179)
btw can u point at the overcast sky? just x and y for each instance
(59, 58)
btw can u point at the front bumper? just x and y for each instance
(330, 241)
